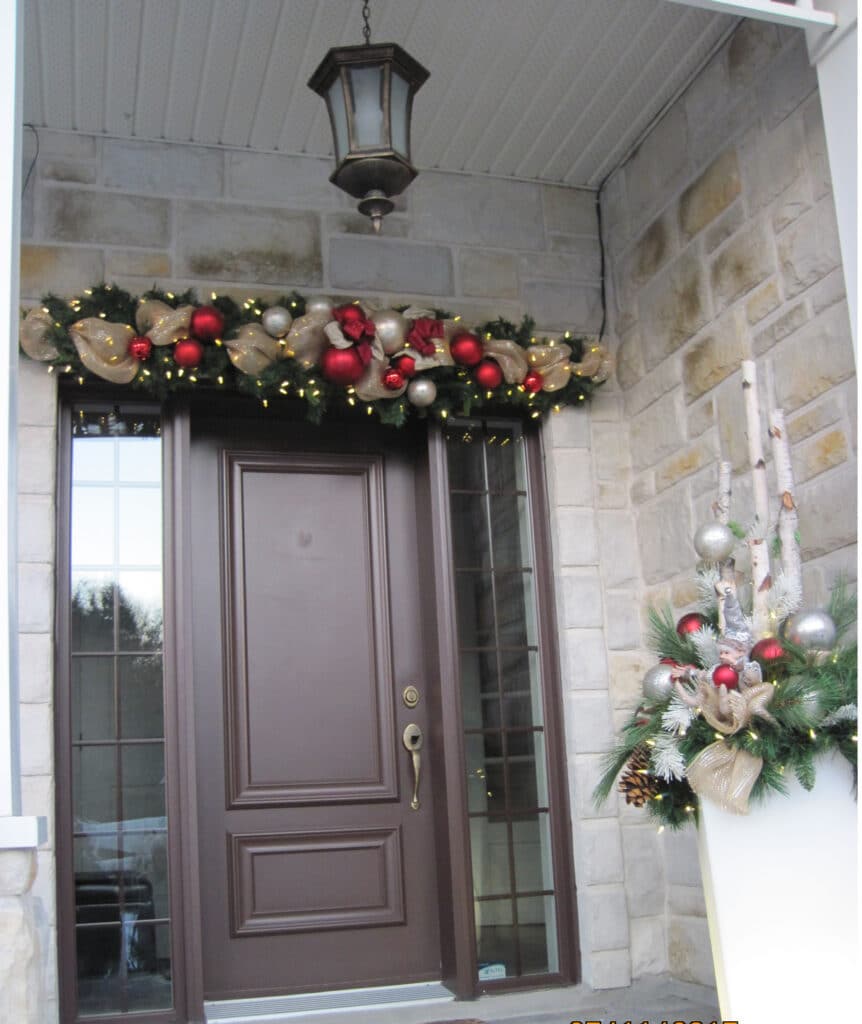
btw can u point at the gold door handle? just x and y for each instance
(412, 740)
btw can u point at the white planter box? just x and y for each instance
(781, 897)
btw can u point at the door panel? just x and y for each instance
(314, 871)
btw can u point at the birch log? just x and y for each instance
(788, 517)
(757, 543)
(727, 568)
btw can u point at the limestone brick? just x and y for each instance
(627, 671)
(585, 771)
(584, 659)
(828, 291)
(689, 950)
(575, 536)
(366, 264)
(571, 257)
(791, 204)
(300, 182)
(599, 853)
(35, 598)
(572, 211)
(790, 81)
(714, 356)
(486, 272)
(136, 263)
(652, 386)
(819, 454)
(788, 321)
(673, 307)
(656, 432)
(20, 990)
(643, 487)
(808, 250)
(661, 523)
(763, 301)
(622, 621)
(17, 872)
(701, 417)
(163, 169)
(570, 428)
(37, 402)
(618, 547)
(814, 359)
(611, 455)
(687, 900)
(827, 513)
(815, 147)
(606, 406)
(602, 912)
(684, 590)
(86, 216)
(753, 45)
(581, 598)
(653, 249)
(689, 460)
(710, 194)
(644, 864)
(561, 305)
(649, 946)
(79, 172)
(35, 659)
(36, 460)
(60, 270)
(742, 264)
(347, 222)
(630, 360)
(588, 722)
(773, 161)
(823, 414)
(659, 168)
(67, 144)
(571, 480)
(37, 798)
(37, 739)
(725, 226)
(611, 494)
(608, 969)
(36, 528)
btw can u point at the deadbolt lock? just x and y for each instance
(410, 696)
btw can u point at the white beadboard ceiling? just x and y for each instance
(551, 90)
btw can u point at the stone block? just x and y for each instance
(685, 463)
(684, 591)
(37, 739)
(488, 272)
(606, 406)
(258, 244)
(645, 884)
(575, 537)
(37, 394)
(37, 798)
(36, 667)
(643, 488)
(599, 853)
(570, 428)
(648, 946)
(136, 263)
(689, 950)
(819, 454)
(627, 671)
(673, 307)
(821, 415)
(611, 454)
(67, 144)
(35, 528)
(17, 872)
(581, 598)
(686, 900)
(461, 209)
(701, 417)
(730, 413)
(791, 204)
(808, 250)
(772, 162)
(62, 271)
(571, 477)
(299, 182)
(828, 291)
(585, 771)
(563, 305)
(799, 376)
(724, 227)
(653, 249)
(608, 969)
(815, 148)
(36, 459)
(589, 729)
(656, 432)
(764, 301)
(87, 217)
(348, 223)
(710, 194)
(603, 917)
(827, 513)
(571, 257)
(753, 45)
(682, 865)
(35, 597)
(659, 168)
(662, 524)
(620, 564)
(622, 621)
(630, 360)
(714, 356)
(163, 169)
(570, 210)
(707, 95)
(741, 265)
(611, 494)
(585, 660)
(78, 172)
(366, 264)
(790, 81)
(652, 386)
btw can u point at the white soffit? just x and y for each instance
(551, 90)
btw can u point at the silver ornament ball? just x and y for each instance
(814, 630)
(657, 684)
(714, 542)
(421, 392)
(276, 321)
(391, 329)
(319, 304)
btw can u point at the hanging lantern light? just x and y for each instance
(369, 95)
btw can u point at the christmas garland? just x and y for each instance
(392, 362)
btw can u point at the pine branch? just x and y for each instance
(664, 639)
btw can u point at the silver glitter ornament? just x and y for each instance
(319, 304)
(276, 321)
(391, 329)
(815, 630)
(714, 542)
(657, 684)
(421, 392)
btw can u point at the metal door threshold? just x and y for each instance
(314, 1006)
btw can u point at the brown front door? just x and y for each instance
(315, 872)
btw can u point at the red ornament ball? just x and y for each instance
(768, 652)
(140, 348)
(726, 675)
(488, 374)
(348, 313)
(341, 365)
(188, 353)
(407, 365)
(466, 349)
(533, 382)
(690, 623)
(393, 378)
(206, 323)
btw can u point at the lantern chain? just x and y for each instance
(366, 28)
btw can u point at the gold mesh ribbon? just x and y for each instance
(306, 338)
(597, 364)
(511, 357)
(34, 335)
(102, 347)
(253, 350)
(552, 361)
(725, 775)
(161, 323)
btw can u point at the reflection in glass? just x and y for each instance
(537, 935)
(118, 780)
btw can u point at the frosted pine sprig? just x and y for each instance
(705, 643)
(667, 761)
(678, 717)
(846, 713)
(707, 579)
(784, 597)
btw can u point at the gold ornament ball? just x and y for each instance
(276, 321)
(319, 304)
(421, 392)
(714, 542)
(391, 329)
(813, 630)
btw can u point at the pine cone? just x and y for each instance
(637, 784)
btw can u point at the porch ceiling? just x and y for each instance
(552, 90)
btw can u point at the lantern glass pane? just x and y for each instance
(338, 112)
(399, 108)
(367, 90)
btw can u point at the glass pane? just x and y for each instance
(149, 957)
(485, 781)
(537, 935)
(464, 453)
(478, 681)
(367, 94)
(140, 526)
(495, 939)
(516, 625)
(99, 978)
(141, 704)
(532, 853)
(140, 609)
(509, 530)
(144, 785)
(475, 609)
(93, 460)
(470, 531)
(140, 460)
(489, 847)
(94, 786)
(505, 455)
(92, 526)
(93, 716)
(92, 612)
(528, 787)
(338, 113)
(400, 96)
(122, 867)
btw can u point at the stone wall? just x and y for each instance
(723, 246)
